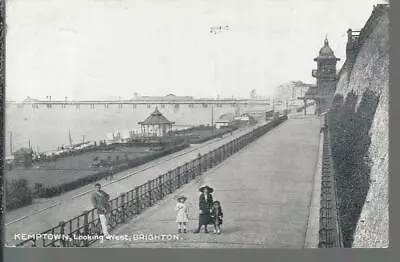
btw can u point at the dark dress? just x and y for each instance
(205, 206)
(217, 215)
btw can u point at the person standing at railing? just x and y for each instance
(101, 201)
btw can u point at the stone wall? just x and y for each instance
(359, 125)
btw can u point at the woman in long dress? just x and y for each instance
(205, 206)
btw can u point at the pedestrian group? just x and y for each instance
(210, 211)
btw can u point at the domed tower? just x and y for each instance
(326, 77)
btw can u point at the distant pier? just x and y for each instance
(136, 103)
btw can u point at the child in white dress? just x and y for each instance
(182, 214)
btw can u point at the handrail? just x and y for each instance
(356, 39)
(330, 235)
(83, 230)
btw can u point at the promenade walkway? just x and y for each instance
(48, 213)
(266, 191)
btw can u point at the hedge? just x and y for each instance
(57, 190)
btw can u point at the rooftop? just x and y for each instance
(156, 118)
(326, 51)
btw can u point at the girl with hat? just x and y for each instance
(182, 214)
(205, 206)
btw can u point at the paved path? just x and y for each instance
(51, 212)
(265, 190)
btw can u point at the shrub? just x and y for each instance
(37, 189)
(18, 194)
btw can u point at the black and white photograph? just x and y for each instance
(197, 124)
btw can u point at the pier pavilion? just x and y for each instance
(156, 124)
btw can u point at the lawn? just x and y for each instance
(71, 168)
(202, 134)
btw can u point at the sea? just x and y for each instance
(44, 129)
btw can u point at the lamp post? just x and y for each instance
(214, 30)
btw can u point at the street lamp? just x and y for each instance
(214, 30)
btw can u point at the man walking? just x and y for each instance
(101, 201)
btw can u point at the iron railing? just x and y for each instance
(329, 233)
(78, 229)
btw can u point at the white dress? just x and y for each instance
(182, 213)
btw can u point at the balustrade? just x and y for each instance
(132, 203)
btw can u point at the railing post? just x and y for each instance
(86, 227)
(161, 189)
(137, 200)
(214, 157)
(149, 193)
(236, 145)
(205, 157)
(62, 233)
(199, 167)
(178, 175)
(184, 173)
(123, 208)
(187, 173)
(170, 183)
(193, 169)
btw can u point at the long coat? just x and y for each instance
(205, 207)
(101, 201)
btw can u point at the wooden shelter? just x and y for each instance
(156, 124)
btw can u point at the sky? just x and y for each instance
(110, 49)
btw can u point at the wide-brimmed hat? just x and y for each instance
(210, 189)
(181, 197)
(216, 202)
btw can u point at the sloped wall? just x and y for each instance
(359, 125)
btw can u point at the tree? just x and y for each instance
(18, 193)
